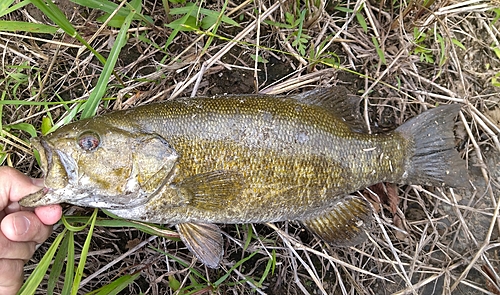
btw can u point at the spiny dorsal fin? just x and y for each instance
(344, 224)
(213, 190)
(204, 240)
(339, 102)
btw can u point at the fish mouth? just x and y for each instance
(39, 198)
(60, 173)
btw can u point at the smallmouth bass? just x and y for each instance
(195, 162)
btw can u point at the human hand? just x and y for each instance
(20, 231)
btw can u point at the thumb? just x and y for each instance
(11, 276)
(25, 226)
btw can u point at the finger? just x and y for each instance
(24, 226)
(15, 250)
(11, 276)
(38, 182)
(49, 214)
(14, 207)
(15, 185)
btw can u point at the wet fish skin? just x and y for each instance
(275, 149)
(240, 159)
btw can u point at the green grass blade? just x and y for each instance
(249, 237)
(13, 26)
(66, 119)
(57, 16)
(3, 156)
(152, 229)
(90, 107)
(173, 283)
(57, 265)
(192, 270)
(178, 27)
(22, 126)
(271, 264)
(70, 264)
(1, 113)
(188, 9)
(86, 221)
(83, 255)
(37, 103)
(217, 22)
(235, 266)
(116, 286)
(38, 274)
(379, 50)
(362, 21)
(110, 7)
(103, 5)
(458, 43)
(343, 9)
(495, 80)
(46, 125)
(4, 6)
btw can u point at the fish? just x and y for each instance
(197, 162)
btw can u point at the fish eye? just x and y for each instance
(89, 141)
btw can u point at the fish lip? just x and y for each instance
(35, 199)
(45, 153)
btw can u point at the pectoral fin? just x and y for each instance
(344, 224)
(204, 240)
(211, 191)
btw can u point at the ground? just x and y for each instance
(401, 57)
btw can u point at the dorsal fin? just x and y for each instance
(339, 102)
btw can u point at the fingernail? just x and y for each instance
(21, 225)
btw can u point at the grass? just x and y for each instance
(62, 62)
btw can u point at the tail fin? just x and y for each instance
(435, 160)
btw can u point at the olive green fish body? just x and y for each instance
(194, 162)
(292, 159)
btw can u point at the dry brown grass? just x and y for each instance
(439, 241)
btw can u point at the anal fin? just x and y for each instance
(344, 223)
(204, 240)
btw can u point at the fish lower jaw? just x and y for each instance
(72, 196)
(65, 195)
